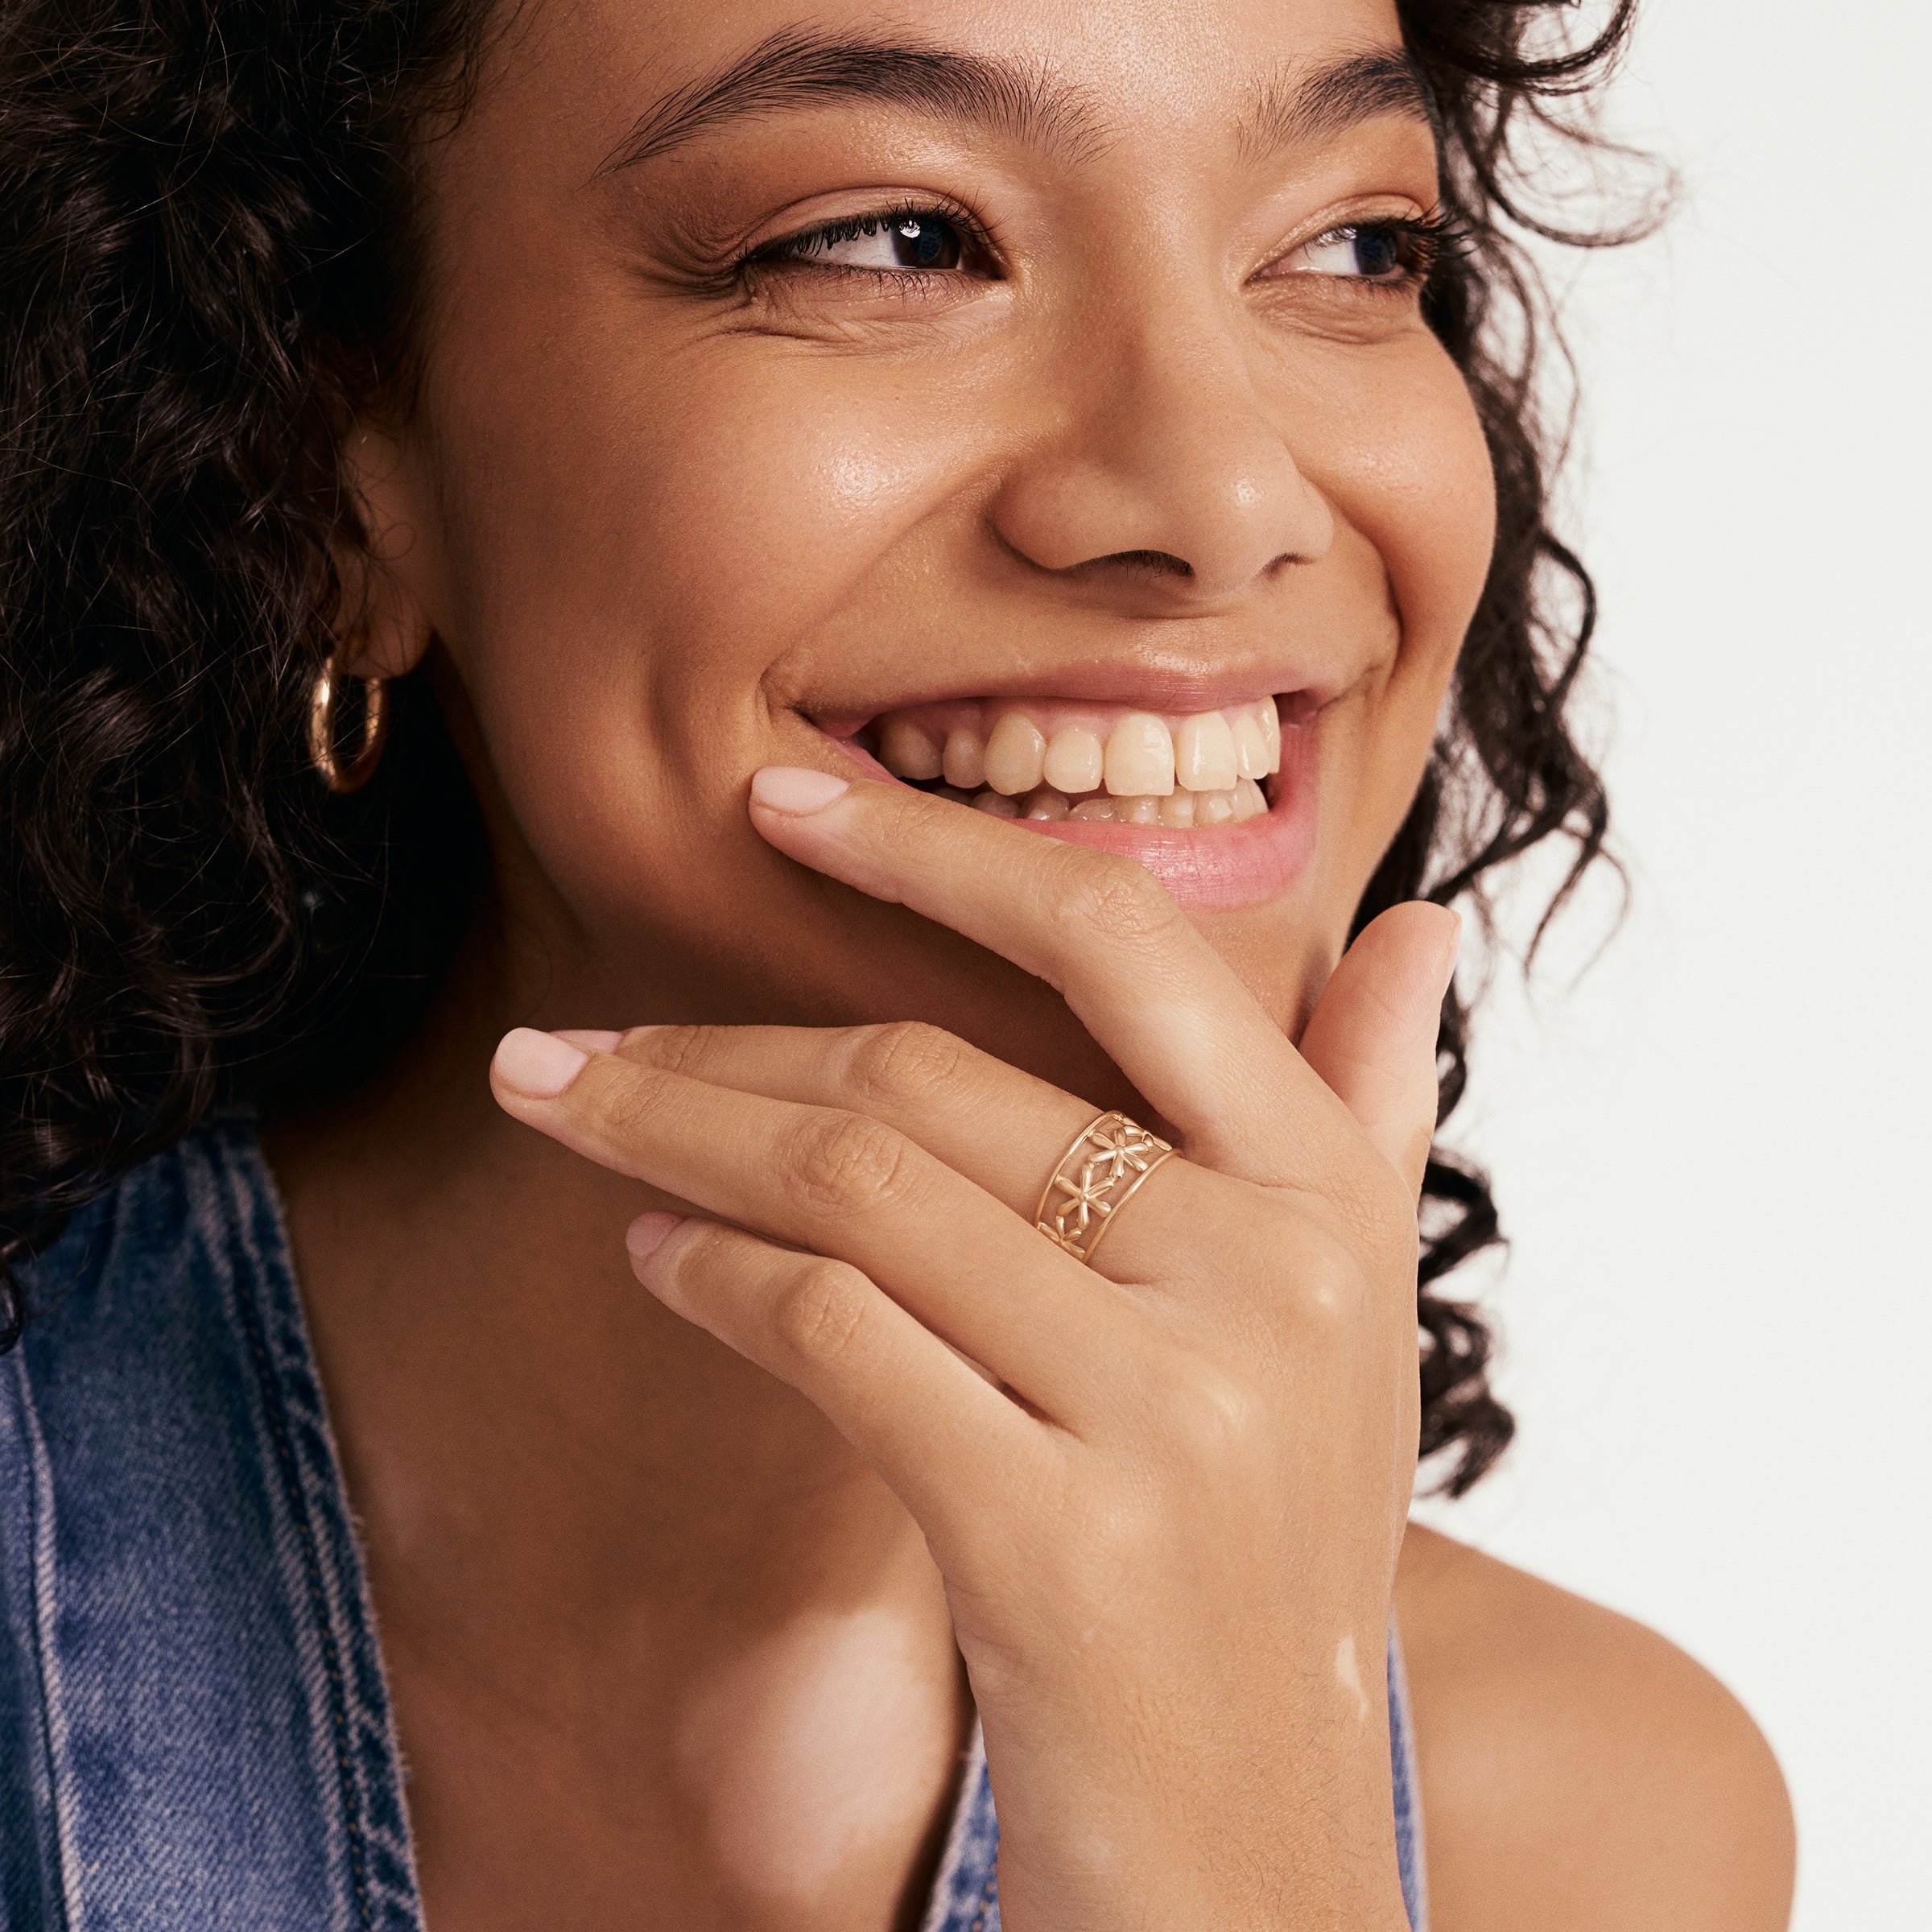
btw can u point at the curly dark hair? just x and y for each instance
(206, 255)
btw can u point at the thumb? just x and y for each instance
(1372, 1036)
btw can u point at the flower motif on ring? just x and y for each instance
(1100, 1169)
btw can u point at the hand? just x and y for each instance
(1168, 1527)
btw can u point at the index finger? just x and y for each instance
(1157, 998)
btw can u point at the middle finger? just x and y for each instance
(1159, 1000)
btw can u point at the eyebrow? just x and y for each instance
(1299, 107)
(798, 68)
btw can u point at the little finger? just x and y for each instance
(940, 1434)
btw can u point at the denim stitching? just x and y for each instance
(312, 1565)
(47, 1664)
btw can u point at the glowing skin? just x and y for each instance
(815, 1750)
(1348, 1675)
(658, 521)
(824, 499)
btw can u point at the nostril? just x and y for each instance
(1160, 562)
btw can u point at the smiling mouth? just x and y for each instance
(1220, 806)
(1052, 761)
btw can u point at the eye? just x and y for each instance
(913, 239)
(1397, 253)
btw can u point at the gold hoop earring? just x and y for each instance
(336, 775)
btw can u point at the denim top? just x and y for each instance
(195, 1732)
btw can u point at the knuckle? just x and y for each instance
(700, 1258)
(1333, 1304)
(1117, 900)
(848, 1161)
(683, 1050)
(1343, 1302)
(820, 1310)
(630, 1104)
(1216, 1416)
(905, 1059)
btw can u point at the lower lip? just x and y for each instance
(1215, 868)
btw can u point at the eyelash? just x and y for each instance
(901, 281)
(1433, 239)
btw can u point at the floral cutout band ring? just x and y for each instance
(1095, 1179)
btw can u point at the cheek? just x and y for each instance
(703, 521)
(1405, 465)
(1408, 467)
(755, 509)
(633, 543)
(1409, 470)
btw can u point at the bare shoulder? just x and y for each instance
(1579, 1773)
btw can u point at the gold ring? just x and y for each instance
(1096, 1177)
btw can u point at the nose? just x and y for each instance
(1168, 463)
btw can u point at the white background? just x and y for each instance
(1710, 1149)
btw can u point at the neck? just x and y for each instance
(521, 1425)
(634, 1595)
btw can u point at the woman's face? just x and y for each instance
(813, 388)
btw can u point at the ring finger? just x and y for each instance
(850, 1187)
(999, 1126)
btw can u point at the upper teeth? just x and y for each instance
(1143, 755)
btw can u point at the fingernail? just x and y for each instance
(538, 1064)
(645, 1235)
(592, 1040)
(796, 789)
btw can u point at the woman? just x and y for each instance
(733, 445)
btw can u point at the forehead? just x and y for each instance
(1074, 71)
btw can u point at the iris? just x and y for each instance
(1378, 252)
(926, 241)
